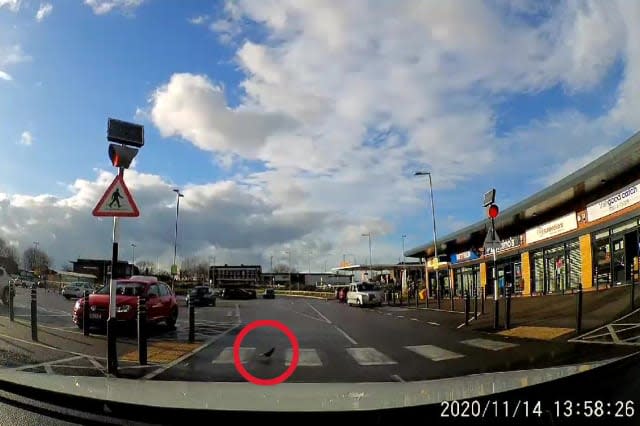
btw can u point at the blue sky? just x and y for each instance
(297, 126)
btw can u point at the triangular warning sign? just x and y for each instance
(117, 201)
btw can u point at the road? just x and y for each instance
(337, 343)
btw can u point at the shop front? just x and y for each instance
(508, 267)
(466, 278)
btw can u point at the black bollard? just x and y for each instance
(482, 296)
(192, 322)
(142, 330)
(466, 308)
(417, 293)
(633, 296)
(451, 296)
(12, 294)
(85, 314)
(475, 302)
(507, 319)
(579, 309)
(34, 312)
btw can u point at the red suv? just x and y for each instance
(161, 302)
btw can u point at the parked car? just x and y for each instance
(4, 286)
(364, 294)
(269, 293)
(239, 293)
(201, 296)
(76, 289)
(160, 301)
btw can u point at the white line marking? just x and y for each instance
(307, 358)
(238, 311)
(349, 338)
(173, 363)
(319, 313)
(432, 323)
(42, 345)
(95, 363)
(399, 316)
(493, 345)
(415, 319)
(73, 358)
(370, 356)
(614, 336)
(226, 356)
(397, 378)
(48, 369)
(434, 353)
(230, 313)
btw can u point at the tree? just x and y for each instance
(67, 267)
(34, 258)
(188, 267)
(202, 270)
(146, 267)
(9, 251)
(283, 269)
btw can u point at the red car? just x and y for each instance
(161, 303)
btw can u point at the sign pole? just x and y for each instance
(112, 354)
(496, 302)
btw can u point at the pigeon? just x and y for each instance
(268, 353)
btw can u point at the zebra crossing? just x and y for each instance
(368, 356)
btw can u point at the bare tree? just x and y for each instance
(202, 270)
(188, 267)
(9, 251)
(146, 267)
(283, 269)
(34, 258)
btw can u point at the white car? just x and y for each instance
(364, 294)
(76, 289)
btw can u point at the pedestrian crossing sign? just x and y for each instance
(117, 201)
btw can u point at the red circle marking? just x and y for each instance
(295, 349)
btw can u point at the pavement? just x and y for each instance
(337, 343)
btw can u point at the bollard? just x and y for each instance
(466, 308)
(85, 314)
(192, 320)
(417, 293)
(142, 330)
(438, 296)
(475, 302)
(482, 297)
(34, 312)
(12, 294)
(579, 309)
(451, 296)
(507, 315)
(633, 296)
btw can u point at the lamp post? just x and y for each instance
(133, 254)
(403, 238)
(368, 234)
(435, 234)
(175, 240)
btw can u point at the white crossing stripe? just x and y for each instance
(226, 356)
(434, 353)
(369, 356)
(307, 358)
(493, 345)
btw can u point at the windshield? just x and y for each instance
(437, 189)
(124, 289)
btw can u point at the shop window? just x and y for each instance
(575, 264)
(603, 261)
(538, 272)
(518, 284)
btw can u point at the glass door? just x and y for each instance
(618, 257)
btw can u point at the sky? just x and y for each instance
(296, 126)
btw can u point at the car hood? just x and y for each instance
(103, 300)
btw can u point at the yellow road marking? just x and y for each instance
(162, 352)
(540, 333)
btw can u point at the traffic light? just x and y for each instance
(493, 211)
(121, 156)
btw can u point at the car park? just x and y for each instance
(201, 296)
(269, 293)
(160, 302)
(77, 289)
(364, 294)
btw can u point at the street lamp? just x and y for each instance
(133, 254)
(403, 237)
(435, 235)
(175, 241)
(289, 253)
(368, 234)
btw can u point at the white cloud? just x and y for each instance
(26, 138)
(5, 76)
(12, 5)
(101, 7)
(44, 11)
(199, 20)
(11, 55)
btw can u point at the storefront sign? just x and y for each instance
(464, 256)
(614, 202)
(551, 229)
(507, 244)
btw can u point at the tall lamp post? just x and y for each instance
(174, 267)
(435, 234)
(133, 254)
(368, 234)
(403, 238)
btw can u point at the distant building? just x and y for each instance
(306, 279)
(101, 269)
(235, 275)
